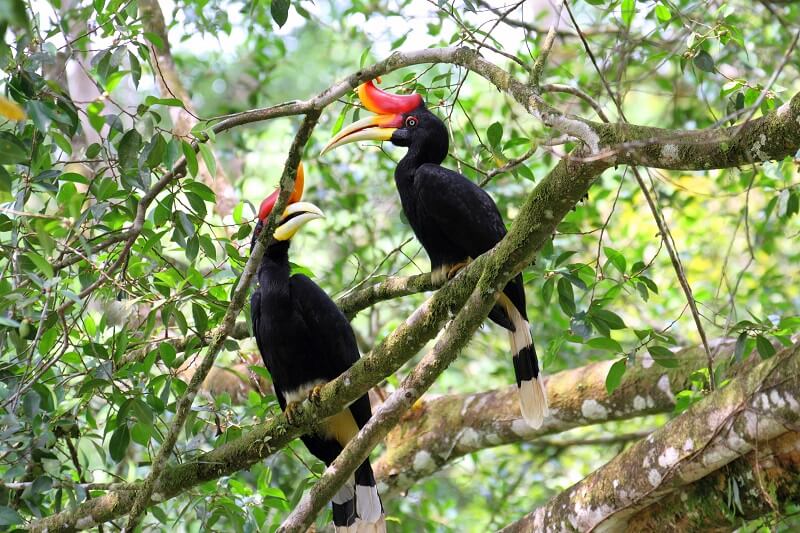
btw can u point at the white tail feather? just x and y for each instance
(360, 526)
(368, 503)
(520, 338)
(345, 492)
(532, 394)
(533, 402)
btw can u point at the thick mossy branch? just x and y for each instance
(758, 406)
(440, 430)
(757, 484)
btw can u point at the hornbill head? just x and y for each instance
(402, 119)
(294, 217)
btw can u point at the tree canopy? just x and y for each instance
(643, 153)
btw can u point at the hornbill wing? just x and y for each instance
(255, 318)
(469, 218)
(464, 212)
(332, 337)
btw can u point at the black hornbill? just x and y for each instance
(454, 219)
(306, 341)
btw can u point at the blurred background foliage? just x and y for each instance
(98, 134)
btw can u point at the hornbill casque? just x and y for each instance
(453, 218)
(305, 342)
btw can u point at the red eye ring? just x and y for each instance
(411, 122)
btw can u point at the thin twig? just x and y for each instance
(547, 45)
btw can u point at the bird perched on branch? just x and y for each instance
(305, 342)
(453, 218)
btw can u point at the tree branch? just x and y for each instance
(440, 430)
(757, 484)
(392, 287)
(751, 410)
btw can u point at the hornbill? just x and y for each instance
(453, 218)
(306, 341)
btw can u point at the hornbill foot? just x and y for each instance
(455, 269)
(315, 394)
(439, 276)
(291, 412)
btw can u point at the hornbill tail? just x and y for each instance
(530, 382)
(357, 507)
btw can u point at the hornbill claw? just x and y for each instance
(455, 269)
(315, 395)
(291, 412)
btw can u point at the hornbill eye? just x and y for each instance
(411, 122)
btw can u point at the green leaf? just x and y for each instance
(136, 69)
(169, 102)
(128, 149)
(120, 440)
(261, 371)
(168, 353)
(764, 347)
(197, 203)
(41, 264)
(609, 317)
(663, 356)
(616, 259)
(208, 158)
(704, 61)
(186, 224)
(140, 433)
(741, 343)
(279, 9)
(663, 13)
(9, 517)
(524, 171)
(237, 213)
(200, 318)
(48, 340)
(628, 10)
(566, 298)
(494, 134)
(143, 412)
(615, 373)
(8, 322)
(547, 290)
(154, 39)
(155, 151)
(605, 343)
(40, 114)
(563, 256)
(650, 284)
(191, 158)
(337, 126)
(11, 149)
(202, 190)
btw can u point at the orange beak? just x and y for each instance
(377, 128)
(390, 109)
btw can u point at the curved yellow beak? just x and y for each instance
(376, 128)
(295, 217)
